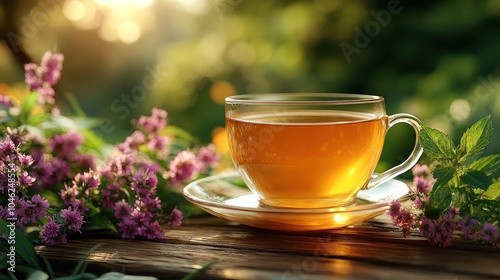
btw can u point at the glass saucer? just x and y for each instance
(226, 196)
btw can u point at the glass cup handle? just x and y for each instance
(410, 161)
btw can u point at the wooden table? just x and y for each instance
(373, 250)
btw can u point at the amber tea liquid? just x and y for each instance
(306, 159)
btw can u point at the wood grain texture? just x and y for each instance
(370, 250)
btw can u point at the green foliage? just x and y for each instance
(99, 221)
(437, 145)
(195, 273)
(23, 246)
(459, 182)
(475, 139)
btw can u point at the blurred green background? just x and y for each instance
(438, 60)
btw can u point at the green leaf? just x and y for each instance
(120, 276)
(488, 164)
(444, 173)
(99, 221)
(79, 267)
(48, 267)
(29, 104)
(195, 273)
(74, 104)
(83, 276)
(475, 140)
(440, 200)
(35, 120)
(436, 144)
(476, 179)
(493, 191)
(4, 261)
(94, 142)
(24, 248)
(177, 132)
(38, 275)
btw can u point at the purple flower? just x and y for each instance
(8, 150)
(394, 209)
(421, 170)
(132, 142)
(183, 167)
(82, 161)
(175, 218)
(87, 182)
(73, 219)
(46, 95)
(64, 145)
(20, 206)
(141, 217)
(144, 183)
(128, 228)
(25, 179)
(17, 136)
(437, 232)
(153, 230)
(418, 203)
(147, 205)
(208, 157)
(6, 101)
(68, 194)
(426, 226)
(108, 197)
(490, 233)
(422, 185)
(32, 76)
(49, 172)
(469, 227)
(51, 234)
(52, 64)
(25, 161)
(154, 123)
(122, 209)
(42, 78)
(27, 216)
(159, 144)
(40, 206)
(401, 217)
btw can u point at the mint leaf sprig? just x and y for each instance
(461, 194)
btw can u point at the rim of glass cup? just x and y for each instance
(322, 98)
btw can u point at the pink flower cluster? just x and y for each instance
(13, 175)
(140, 217)
(55, 231)
(123, 188)
(187, 164)
(28, 210)
(43, 77)
(59, 160)
(438, 231)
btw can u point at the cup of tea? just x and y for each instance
(311, 150)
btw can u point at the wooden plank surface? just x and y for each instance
(370, 250)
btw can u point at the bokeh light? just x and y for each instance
(433, 59)
(220, 90)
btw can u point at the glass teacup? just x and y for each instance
(311, 150)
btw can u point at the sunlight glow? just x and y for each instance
(460, 109)
(128, 3)
(220, 90)
(116, 20)
(340, 218)
(128, 32)
(193, 6)
(74, 10)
